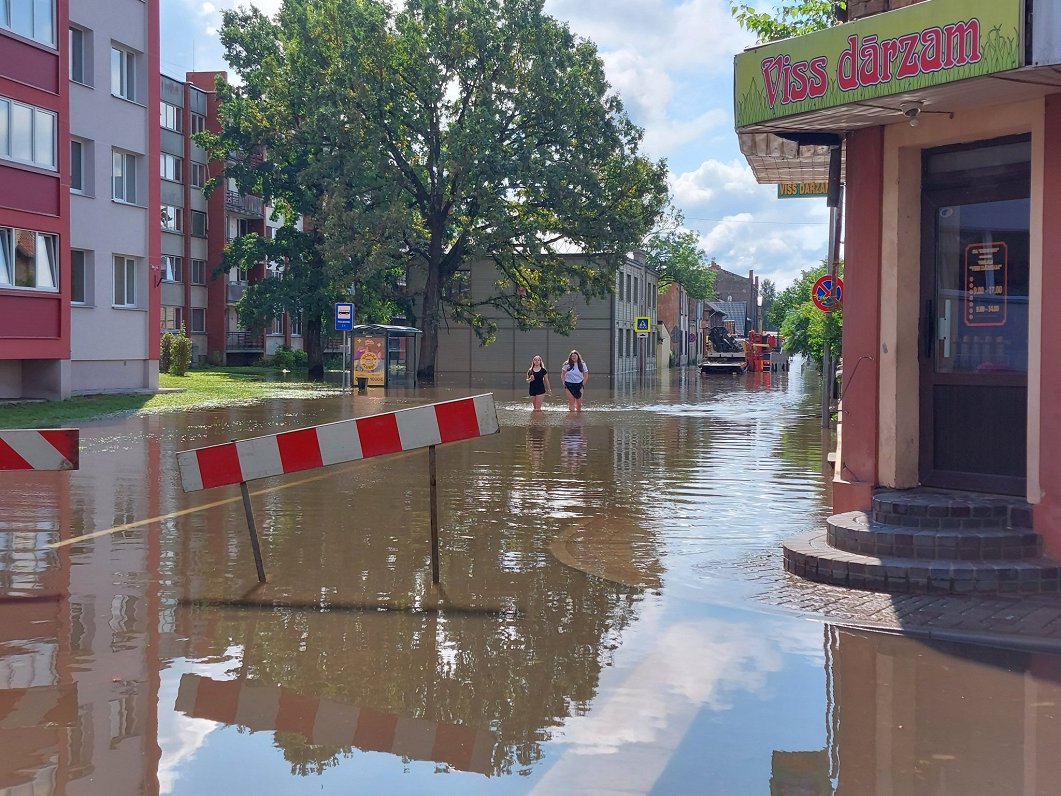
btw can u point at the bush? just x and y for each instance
(180, 353)
(165, 356)
(301, 358)
(284, 358)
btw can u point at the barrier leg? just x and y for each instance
(253, 531)
(434, 513)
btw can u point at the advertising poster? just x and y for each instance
(370, 360)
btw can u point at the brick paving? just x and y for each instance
(1031, 622)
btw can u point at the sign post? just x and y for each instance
(344, 322)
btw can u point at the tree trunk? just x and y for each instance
(314, 349)
(425, 370)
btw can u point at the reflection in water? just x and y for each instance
(590, 634)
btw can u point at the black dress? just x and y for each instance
(537, 382)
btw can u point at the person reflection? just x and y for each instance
(573, 443)
(536, 442)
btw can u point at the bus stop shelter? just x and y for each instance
(384, 355)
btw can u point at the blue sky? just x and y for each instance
(672, 64)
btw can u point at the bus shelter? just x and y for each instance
(384, 355)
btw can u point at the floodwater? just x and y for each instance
(596, 630)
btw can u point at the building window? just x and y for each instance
(77, 55)
(171, 319)
(296, 324)
(124, 282)
(198, 123)
(77, 166)
(198, 174)
(27, 133)
(198, 320)
(278, 325)
(170, 117)
(34, 19)
(198, 220)
(28, 259)
(78, 277)
(172, 218)
(198, 272)
(172, 167)
(124, 173)
(172, 268)
(123, 73)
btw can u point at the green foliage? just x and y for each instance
(180, 353)
(789, 17)
(768, 291)
(433, 136)
(678, 259)
(165, 355)
(283, 358)
(804, 327)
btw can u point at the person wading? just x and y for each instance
(538, 382)
(575, 375)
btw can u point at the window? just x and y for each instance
(171, 117)
(198, 123)
(123, 74)
(172, 167)
(77, 166)
(77, 55)
(198, 221)
(172, 218)
(28, 259)
(171, 319)
(278, 325)
(124, 282)
(198, 174)
(27, 133)
(78, 277)
(124, 173)
(172, 268)
(198, 320)
(198, 272)
(296, 325)
(34, 19)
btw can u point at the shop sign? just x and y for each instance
(912, 48)
(793, 190)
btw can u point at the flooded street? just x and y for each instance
(597, 629)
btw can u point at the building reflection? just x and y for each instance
(931, 718)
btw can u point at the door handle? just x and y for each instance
(928, 329)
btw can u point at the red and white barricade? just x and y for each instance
(336, 443)
(39, 449)
(330, 723)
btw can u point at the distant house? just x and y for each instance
(604, 333)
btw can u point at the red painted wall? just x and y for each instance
(1047, 514)
(853, 484)
(154, 191)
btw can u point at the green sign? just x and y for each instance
(926, 44)
(792, 190)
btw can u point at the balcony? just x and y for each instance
(244, 204)
(244, 341)
(235, 291)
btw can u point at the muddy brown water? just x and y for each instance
(596, 630)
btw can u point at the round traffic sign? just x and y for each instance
(827, 293)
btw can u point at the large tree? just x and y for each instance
(804, 327)
(676, 256)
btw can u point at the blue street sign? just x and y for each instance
(344, 317)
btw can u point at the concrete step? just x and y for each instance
(857, 532)
(938, 508)
(810, 556)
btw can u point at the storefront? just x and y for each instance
(948, 116)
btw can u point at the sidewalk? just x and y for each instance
(1026, 622)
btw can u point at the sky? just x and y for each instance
(671, 62)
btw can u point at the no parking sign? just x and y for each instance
(827, 293)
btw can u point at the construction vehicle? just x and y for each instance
(726, 353)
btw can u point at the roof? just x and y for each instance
(733, 310)
(383, 328)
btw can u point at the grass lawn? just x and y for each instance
(206, 387)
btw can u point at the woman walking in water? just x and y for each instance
(575, 375)
(538, 381)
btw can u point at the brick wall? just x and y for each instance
(856, 9)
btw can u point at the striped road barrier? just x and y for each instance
(39, 449)
(240, 461)
(331, 723)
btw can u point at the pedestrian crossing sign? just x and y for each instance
(643, 324)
